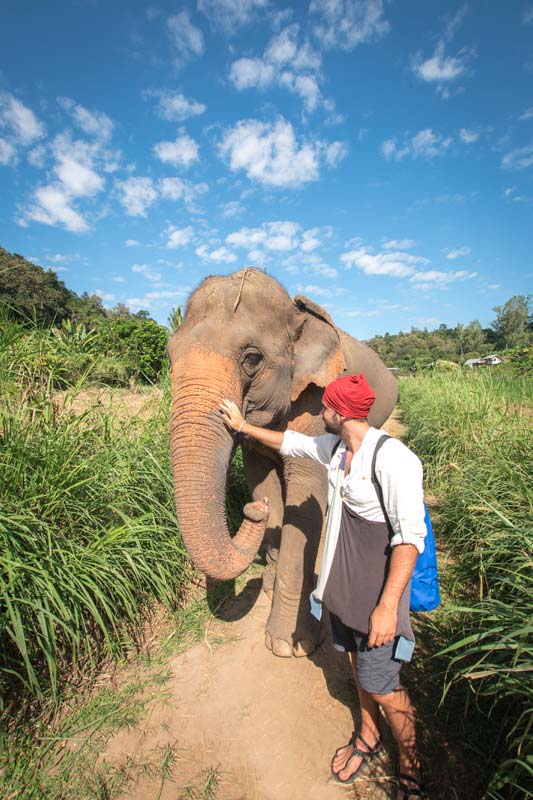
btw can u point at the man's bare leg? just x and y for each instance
(400, 715)
(344, 764)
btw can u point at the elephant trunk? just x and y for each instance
(201, 449)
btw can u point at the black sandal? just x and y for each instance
(366, 756)
(409, 791)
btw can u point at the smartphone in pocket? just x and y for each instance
(403, 649)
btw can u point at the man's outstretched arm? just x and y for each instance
(235, 420)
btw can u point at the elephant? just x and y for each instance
(245, 339)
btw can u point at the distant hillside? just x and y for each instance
(28, 290)
(30, 293)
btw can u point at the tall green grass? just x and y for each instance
(473, 433)
(88, 534)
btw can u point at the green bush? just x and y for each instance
(139, 343)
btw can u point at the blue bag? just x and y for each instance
(425, 595)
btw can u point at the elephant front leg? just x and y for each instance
(262, 476)
(291, 629)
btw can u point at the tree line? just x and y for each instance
(68, 336)
(131, 346)
(509, 334)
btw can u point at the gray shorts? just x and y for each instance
(378, 672)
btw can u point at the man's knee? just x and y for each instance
(389, 698)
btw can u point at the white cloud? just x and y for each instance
(119, 279)
(229, 15)
(105, 296)
(345, 24)
(440, 68)
(156, 298)
(528, 114)
(231, 209)
(247, 73)
(510, 194)
(308, 263)
(310, 241)
(76, 166)
(51, 206)
(172, 188)
(458, 253)
(436, 279)
(131, 242)
(136, 195)
(425, 144)
(95, 123)
(219, 255)
(174, 106)
(285, 63)
(147, 271)
(468, 136)
(334, 153)
(178, 237)
(187, 38)
(270, 154)
(396, 263)
(8, 154)
(182, 152)
(521, 158)
(279, 236)
(399, 244)
(180, 189)
(37, 156)
(78, 180)
(356, 313)
(402, 265)
(318, 291)
(19, 119)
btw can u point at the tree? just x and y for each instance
(30, 292)
(87, 308)
(175, 319)
(513, 319)
(139, 343)
(474, 338)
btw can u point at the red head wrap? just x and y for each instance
(349, 396)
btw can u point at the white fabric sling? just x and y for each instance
(333, 526)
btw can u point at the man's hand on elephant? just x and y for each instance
(382, 627)
(231, 414)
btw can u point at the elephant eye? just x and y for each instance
(251, 361)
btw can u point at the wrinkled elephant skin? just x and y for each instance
(244, 338)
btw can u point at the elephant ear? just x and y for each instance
(318, 357)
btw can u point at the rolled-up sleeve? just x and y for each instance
(400, 475)
(298, 445)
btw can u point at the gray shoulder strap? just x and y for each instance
(379, 444)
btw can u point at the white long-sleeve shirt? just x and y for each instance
(398, 470)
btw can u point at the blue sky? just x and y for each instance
(376, 156)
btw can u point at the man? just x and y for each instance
(366, 567)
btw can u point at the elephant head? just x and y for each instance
(245, 339)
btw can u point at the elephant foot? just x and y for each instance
(286, 648)
(279, 647)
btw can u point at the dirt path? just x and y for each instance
(265, 726)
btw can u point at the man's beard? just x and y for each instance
(333, 428)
